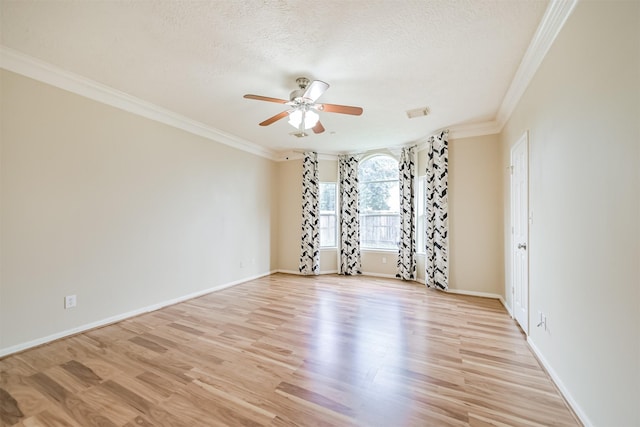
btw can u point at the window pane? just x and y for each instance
(378, 196)
(379, 199)
(328, 229)
(328, 196)
(379, 230)
(328, 214)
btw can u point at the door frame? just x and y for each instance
(523, 139)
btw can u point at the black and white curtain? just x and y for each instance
(349, 215)
(436, 205)
(310, 246)
(407, 243)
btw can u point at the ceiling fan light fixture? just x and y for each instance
(310, 119)
(295, 118)
(303, 120)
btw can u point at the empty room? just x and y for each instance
(320, 213)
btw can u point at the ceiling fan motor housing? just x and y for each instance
(296, 94)
(302, 82)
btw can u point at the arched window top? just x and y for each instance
(379, 167)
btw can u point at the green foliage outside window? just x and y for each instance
(377, 176)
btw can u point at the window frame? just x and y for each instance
(396, 181)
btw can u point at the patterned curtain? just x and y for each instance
(310, 246)
(407, 243)
(349, 215)
(436, 202)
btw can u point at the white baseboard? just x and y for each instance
(386, 276)
(506, 307)
(473, 294)
(364, 273)
(118, 317)
(297, 273)
(558, 382)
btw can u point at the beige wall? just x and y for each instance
(582, 110)
(289, 200)
(383, 263)
(122, 211)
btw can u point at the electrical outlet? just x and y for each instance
(540, 323)
(384, 259)
(70, 301)
(542, 320)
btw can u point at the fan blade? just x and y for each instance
(318, 128)
(275, 118)
(266, 98)
(343, 109)
(315, 89)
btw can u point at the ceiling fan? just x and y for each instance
(302, 101)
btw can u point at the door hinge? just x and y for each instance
(511, 169)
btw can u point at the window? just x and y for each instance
(328, 214)
(379, 200)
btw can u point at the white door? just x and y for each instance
(520, 231)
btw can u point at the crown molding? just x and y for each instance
(552, 22)
(36, 69)
(464, 131)
(490, 127)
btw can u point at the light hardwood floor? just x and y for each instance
(287, 350)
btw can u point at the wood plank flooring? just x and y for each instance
(286, 350)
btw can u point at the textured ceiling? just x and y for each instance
(198, 58)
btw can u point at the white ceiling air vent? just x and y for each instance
(418, 112)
